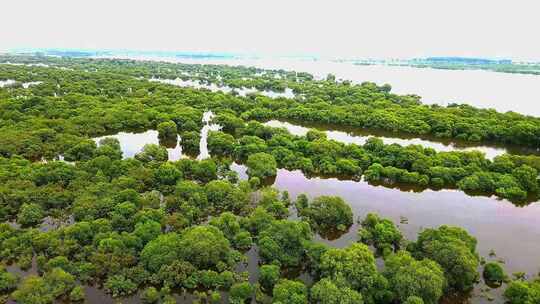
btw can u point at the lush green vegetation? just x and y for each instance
(508, 176)
(159, 226)
(56, 118)
(523, 292)
(326, 213)
(494, 273)
(381, 233)
(125, 237)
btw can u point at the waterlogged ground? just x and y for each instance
(494, 222)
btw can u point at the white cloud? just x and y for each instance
(333, 28)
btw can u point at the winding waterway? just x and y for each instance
(357, 136)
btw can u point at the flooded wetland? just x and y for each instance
(506, 232)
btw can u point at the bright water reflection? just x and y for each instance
(359, 137)
(133, 143)
(288, 93)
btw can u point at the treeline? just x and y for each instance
(329, 101)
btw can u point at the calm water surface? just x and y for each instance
(133, 143)
(483, 89)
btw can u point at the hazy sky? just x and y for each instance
(377, 28)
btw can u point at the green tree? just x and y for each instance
(190, 141)
(161, 251)
(355, 265)
(220, 143)
(33, 290)
(261, 165)
(409, 277)
(523, 292)
(77, 294)
(328, 213)
(59, 282)
(290, 292)
(327, 292)
(167, 129)
(30, 214)
(8, 281)
(381, 233)
(494, 273)
(240, 292)
(150, 295)
(452, 248)
(204, 247)
(269, 276)
(283, 241)
(152, 152)
(119, 286)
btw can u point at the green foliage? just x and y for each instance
(327, 292)
(190, 141)
(381, 233)
(283, 242)
(137, 221)
(167, 129)
(269, 276)
(240, 292)
(161, 251)
(204, 247)
(454, 250)
(152, 153)
(408, 278)
(8, 281)
(150, 295)
(33, 290)
(414, 300)
(41, 290)
(119, 286)
(30, 214)
(356, 266)
(293, 292)
(523, 292)
(327, 213)
(220, 143)
(77, 294)
(261, 165)
(494, 273)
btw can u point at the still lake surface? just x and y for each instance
(483, 89)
